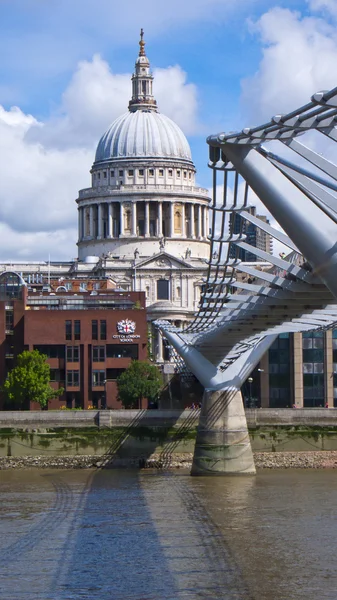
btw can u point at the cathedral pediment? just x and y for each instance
(164, 260)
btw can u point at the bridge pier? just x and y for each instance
(223, 445)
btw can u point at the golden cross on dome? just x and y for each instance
(142, 43)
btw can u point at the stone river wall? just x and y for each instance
(160, 439)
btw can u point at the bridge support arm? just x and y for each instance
(222, 444)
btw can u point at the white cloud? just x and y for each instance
(38, 190)
(329, 6)
(95, 97)
(298, 58)
(44, 164)
(25, 246)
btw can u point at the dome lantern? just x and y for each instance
(142, 80)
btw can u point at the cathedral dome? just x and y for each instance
(142, 134)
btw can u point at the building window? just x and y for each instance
(114, 373)
(190, 175)
(98, 176)
(112, 173)
(130, 172)
(73, 378)
(279, 372)
(185, 174)
(56, 375)
(77, 330)
(178, 173)
(103, 330)
(98, 378)
(98, 353)
(141, 172)
(151, 172)
(94, 330)
(163, 289)
(69, 330)
(177, 221)
(52, 351)
(122, 351)
(170, 172)
(73, 353)
(104, 174)
(9, 321)
(120, 172)
(161, 172)
(313, 368)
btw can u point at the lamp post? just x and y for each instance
(250, 381)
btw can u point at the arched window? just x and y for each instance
(177, 221)
(127, 220)
(11, 285)
(178, 292)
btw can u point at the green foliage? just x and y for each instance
(29, 381)
(139, 380)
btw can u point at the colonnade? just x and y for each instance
(143, 219)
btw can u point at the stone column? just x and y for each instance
(183, 220)
(298, 370)
(99, 221)
(172, 219)
(147, 219)
(134, 219)
(121, 219)
(199, 221)
(328, 368)
(92, 221)
(222, 445)
(80, 224)
(160, 219)
(192, 228)
(110, 207)
(205, 221)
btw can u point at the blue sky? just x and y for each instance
(66, 67)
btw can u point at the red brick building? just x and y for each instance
(88, 337)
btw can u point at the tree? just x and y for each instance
(29, 380)
(139, 380)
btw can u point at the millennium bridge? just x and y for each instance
(238, 320)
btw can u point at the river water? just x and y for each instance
(128, 535)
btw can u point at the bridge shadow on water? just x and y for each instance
(125, 534)
(145, 534)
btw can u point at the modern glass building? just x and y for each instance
(299, 370)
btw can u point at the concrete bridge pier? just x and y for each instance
(223, 445)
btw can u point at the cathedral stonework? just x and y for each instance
(144, 222)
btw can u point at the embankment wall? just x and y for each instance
(138, 435)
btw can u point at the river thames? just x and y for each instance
(123, 535)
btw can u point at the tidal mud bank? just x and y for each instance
(263, 460)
